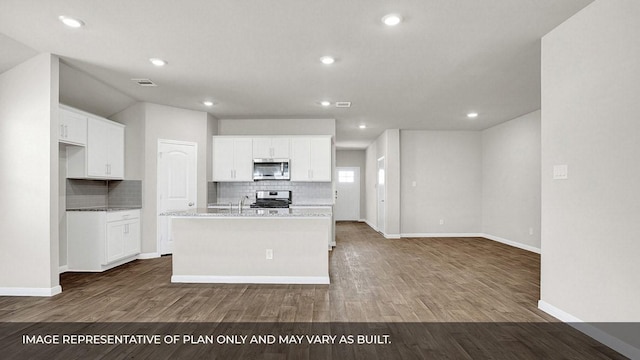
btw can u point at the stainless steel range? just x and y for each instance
(272, 199)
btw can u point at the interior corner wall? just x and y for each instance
(387, 145)
(392, 183)
(371, 166)
(134, 118)
(441, 173)
(590, 108)
(356, 158)
(511, 181)
(29, 189)
(169, 123)
(212, 129)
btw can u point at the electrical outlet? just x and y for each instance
(413, 183)
(269, 254)
(530, 231)
(560, 172)
(441, 221)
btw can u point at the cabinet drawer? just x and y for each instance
(123, 215)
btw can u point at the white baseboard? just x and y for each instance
(511, 243)
(404, 235)
(591, 331)
(12, 291)
(391, 236)
(152, 255)
(63, 268)
(370, 225)
(483, 235)
(362, 220)
(250, 279)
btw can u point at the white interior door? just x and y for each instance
(381, 195)
(177, 185)
(347, 194)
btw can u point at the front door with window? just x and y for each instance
(347, 206)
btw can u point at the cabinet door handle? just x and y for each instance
(62, 131)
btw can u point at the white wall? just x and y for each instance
(371, 165)
(82, 91)
(277, 127)
(134, 118)
(511, 181)
(590, 107)
(446, 167)
(392, 200)
(355, 158)
(146, 124)
(169, 123)
(212, 129)
(387, 145)
(29, 189)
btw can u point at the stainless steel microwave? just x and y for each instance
(271, 169)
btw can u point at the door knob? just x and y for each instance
(191, 204)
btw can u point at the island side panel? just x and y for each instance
(233, 250)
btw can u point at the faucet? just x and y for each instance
(241, 203)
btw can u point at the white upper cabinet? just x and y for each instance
(72, 127)
(232, 159)
(311, 159)
(271, 147)
(103, 155)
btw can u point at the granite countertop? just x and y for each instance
(106, 209)
(235, 205)
(209, 212)
(311, 204)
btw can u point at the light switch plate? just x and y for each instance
(560, 172)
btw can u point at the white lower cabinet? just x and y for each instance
(101, 240)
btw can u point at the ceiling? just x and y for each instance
(260, 59)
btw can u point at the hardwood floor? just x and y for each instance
(433, 280)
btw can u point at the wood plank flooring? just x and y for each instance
(373, 279)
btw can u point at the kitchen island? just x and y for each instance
(276, 246)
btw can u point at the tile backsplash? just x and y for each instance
(302, 192)
(125, 193)
(101, 193)
(86, 193)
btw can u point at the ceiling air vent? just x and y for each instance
(344, 104)
(144, 82)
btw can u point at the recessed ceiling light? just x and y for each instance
(363, 126)
(472, 115)
(71, 22)
(392, 19)
(325, 103)
(207, 103)
(158, 62)
(327, 60)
